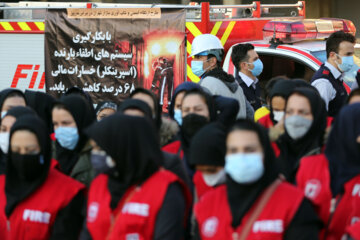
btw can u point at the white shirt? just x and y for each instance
(248, 81)
(324, 87)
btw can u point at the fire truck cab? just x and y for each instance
(296, 49)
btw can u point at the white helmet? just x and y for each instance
(207, 43)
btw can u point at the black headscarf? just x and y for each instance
(16, 112)
(6, 92)
(158, 110)
(139, 105)
(186, 140)
(83, 116)
(132, 143)
(282, 88)
(42, 103)
(208, 146)
(86, 96)
(17, 189)
(291, 151)
(184, 87)
(342, 149)
(242, 196)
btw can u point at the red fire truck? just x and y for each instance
(22, 32)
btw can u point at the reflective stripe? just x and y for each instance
(24, 26)
(216, 28)
(7, 26)
(193, 29)
(227, 32)
(40, 25)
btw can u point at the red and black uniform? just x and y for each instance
(136, 214)
(266, 121)
(200, 185)
(214, 217)
(36, 216)
(314, 179)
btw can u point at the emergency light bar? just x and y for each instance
(289, 31)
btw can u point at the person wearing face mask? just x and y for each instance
(121, 203)
(207, 52)
(305, 124)
(331, 180)
(253, 203)
(277, 99)
(248, 66)
(10, 98)
(70, 116)
(172, 162)
(39, 202)
(6, 123)
(328, 78)
(207, 154)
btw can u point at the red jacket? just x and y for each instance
(34, 217)
(313, 177)
(135, 216)
(200, 185)
(354, 231)
(266, 122)
(174, 148)
(214, 217)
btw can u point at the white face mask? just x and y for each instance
(3, 113)
(4, 141)
(278, 115)
(215, 178)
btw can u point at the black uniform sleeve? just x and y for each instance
(305, 224)
(69, 220)
(170, 219)
(196, 233)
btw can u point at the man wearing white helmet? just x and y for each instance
(207, 52)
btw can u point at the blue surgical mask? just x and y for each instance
(178, 116)
(68, 137)
(197, 67)
(3, 113)
(258, 68)
(244, 168)
(347, 62)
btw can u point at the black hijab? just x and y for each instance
(42, 103)
(342, 150)
(158, 110)
(241, 197)
(291, 151)
(4, 94)
(85, 95)
(83, 116)
(17, 189)
(208, 146)
(132, 143)
(16, 112)
(184, 87)
(139, 105)
(282, 88)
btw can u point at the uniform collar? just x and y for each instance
(247, 80)
(336, 73)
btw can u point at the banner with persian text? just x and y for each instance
(110, 52)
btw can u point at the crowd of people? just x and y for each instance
(228, 161)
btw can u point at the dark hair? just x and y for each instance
(270, 84)
(15, 94)
(333, 42)
(155, 100)
(240, 54)
(355, 92)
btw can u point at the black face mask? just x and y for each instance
(99, 163)
(191, 124)
(28, 166)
